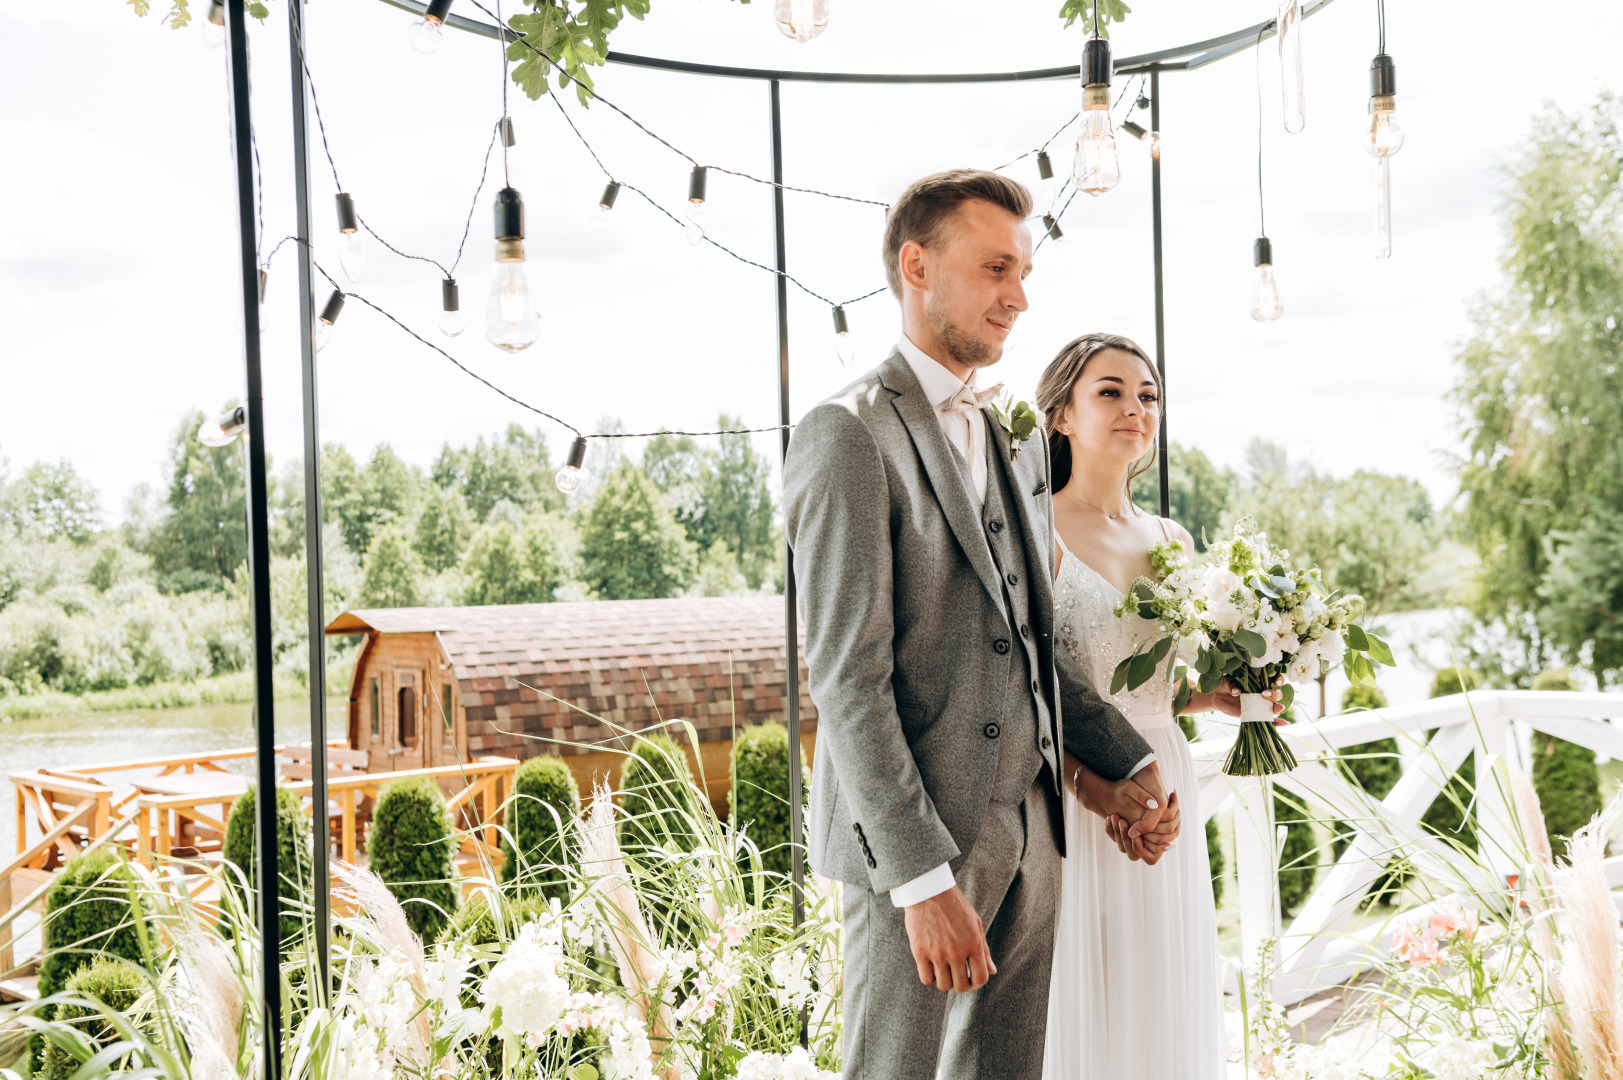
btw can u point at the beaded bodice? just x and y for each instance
(1084, 612)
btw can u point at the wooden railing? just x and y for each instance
(1325, 943)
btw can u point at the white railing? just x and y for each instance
(1326, 943)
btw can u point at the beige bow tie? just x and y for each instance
(968, 399)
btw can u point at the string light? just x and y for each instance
(844, 348)
(351, 253)
(1097, 168)
(801, 19)
(428, 33)
(223, 430)
(1289, 23)
(214, 25)
(512, 163)
(568, 478)
(1266, 306)
(1047, 189)
(695, 211)
(1385, 134)
(511, 321)
(451, 323)
(605, 204)
(1383, 207)
(329, 317)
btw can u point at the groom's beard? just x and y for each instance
(961, 347)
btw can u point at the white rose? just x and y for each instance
(1304, 666)
(1333, 647)
(1225, 616)
(1220, 585)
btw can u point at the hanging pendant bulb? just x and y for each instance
(223, 430)
(329, 316)
(1047, 186)
(428, 33)
(1385, 135)
(568, 478)
(1383, 208)
(451, 322)
(844, 347)
(1097, 168)
(1266, 307)
(214, 25)
(351, 253)
(512, 161)
(801, 19)
(511, 321)
(1289, 24)
(264, 279)
(605, 205)
(695, 212)
(1059, 248)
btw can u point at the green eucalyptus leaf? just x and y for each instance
(1380, 651)
(1119, 679)
(1181, 701)
(1284, 584)
(1161, 649)
(1251, 641)
(1287, 694)
(1356, 638)
(1143, 670)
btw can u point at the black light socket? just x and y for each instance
(1054, 231)
(611, 191)
(264, 276)
(1135, 130)
(505, 126)
(1383, 76)
(509, 214)
(347, 221)
(448, 294)
(1263, 251)
(437, 10)
(696, 184)
(1142, 103)
(1045, 167)
(577, 453)
(1096, 62)
(840, 325)
(335, 304)
(217, 12)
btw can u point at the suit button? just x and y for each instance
(1000, 645)
(992, 731)
(1014, 579)
(995, 526)
(1025, 631)
(1047, 742)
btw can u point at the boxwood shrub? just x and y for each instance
(1449, 815)
(412, 847)
(537, 849)
(758, 801)
(659, 802)
(295, 859)
(118, 985)
(1564, 774)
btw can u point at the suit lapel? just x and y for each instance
(1019, 486)
(936, 454)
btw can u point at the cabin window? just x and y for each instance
(448, 699)
(377, 712)
(408, 716)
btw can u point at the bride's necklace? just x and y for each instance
(1102, 510)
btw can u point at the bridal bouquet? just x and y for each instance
(1246, 615)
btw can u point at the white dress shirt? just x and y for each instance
(966, 431)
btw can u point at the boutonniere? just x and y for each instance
(1018, 418)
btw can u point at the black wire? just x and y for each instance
(501, 40)
(1380, 21)
(259, 193)
(474, 205)
(1262, 214)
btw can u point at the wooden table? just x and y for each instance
(180, 821)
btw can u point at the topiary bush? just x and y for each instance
(1564, 774)
(1373, 766)
(412, 847)
(1298, 859)
(1214, 842)
(295, 857)
(758, 801)
(537, 851)
(116, 984)
(659, 803)
(1454, 680)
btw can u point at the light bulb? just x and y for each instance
(351, 254)
(568, 478)
(323, 334)
(1057, 246)
(1289, 23)
(1047, 187)
(1383, 208)
(695, 211)
(1266, 307)
(1384, 137)
(223, 430)
(214, 25)
(329, 316)
(605, 205)
(451, 322)
(1096, 169)
(844, 347)
(511, 321)
(801, 19)
(428, 33)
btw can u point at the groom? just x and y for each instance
(923, 546)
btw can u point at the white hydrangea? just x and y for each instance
(356, 1054)
(526, 984)
(791, 976)
(797, 1064)
(1456, 1058)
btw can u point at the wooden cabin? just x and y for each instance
(435, 686)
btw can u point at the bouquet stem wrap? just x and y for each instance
(1258, 749)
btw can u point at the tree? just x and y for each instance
(392, 570)
(515, 467)
(1564, 774)
(366, 501)
(507, 566)
(631, 544)
(721, 495)
(57, 500)
(1582, 591)
(204, 535)
(1540, 387)
(444, 526)
(1200, 492)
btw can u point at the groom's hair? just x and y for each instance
(925, 210)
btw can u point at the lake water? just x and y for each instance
(90, 738)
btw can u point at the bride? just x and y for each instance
(1135, 989)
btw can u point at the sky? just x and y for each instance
(118, 253)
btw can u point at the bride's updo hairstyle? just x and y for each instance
(1054, 391)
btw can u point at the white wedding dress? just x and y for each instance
(1135, 992)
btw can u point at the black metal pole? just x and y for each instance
(270, 923)
(1160, 298)
(320, 890)
(791, 624)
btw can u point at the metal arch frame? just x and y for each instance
(1183, 58)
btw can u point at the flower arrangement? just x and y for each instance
(1247, 615)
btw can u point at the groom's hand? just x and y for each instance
(949, 942)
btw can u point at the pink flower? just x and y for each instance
(1449, 919)
(1417, 948)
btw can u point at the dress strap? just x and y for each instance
(1163, 523)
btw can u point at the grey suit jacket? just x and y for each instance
(904, 616)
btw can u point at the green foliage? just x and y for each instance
(1564, 774)
(545, 801)
(1453, 680)
(392, 570)
(658, 799)
(412, 847)
(515, 468)
(1200, 492)
(758, 801)
(507, 566)
(205, 530)
(90, 911)
(1108, 11)
(364, 502)
(1451, 815)
(295, 860)
(720, 495)
(1298, 859)
(444, 527)
(572, 34)
(1214, 840)
(55, 500)
(114, 983)
(1582, 593)
(632, 547)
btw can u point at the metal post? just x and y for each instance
(1160, 305)
(270, 923)
(320, 889)
(791, 624)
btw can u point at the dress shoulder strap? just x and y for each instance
(1163, 523)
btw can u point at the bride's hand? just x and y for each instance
(1121, 798)
(1152, 845)
(1226, 700)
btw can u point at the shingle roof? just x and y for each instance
(596, 656)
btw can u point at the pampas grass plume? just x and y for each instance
(1590, 949)
(1537, 840)
(212, 1014)
(394, 937)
